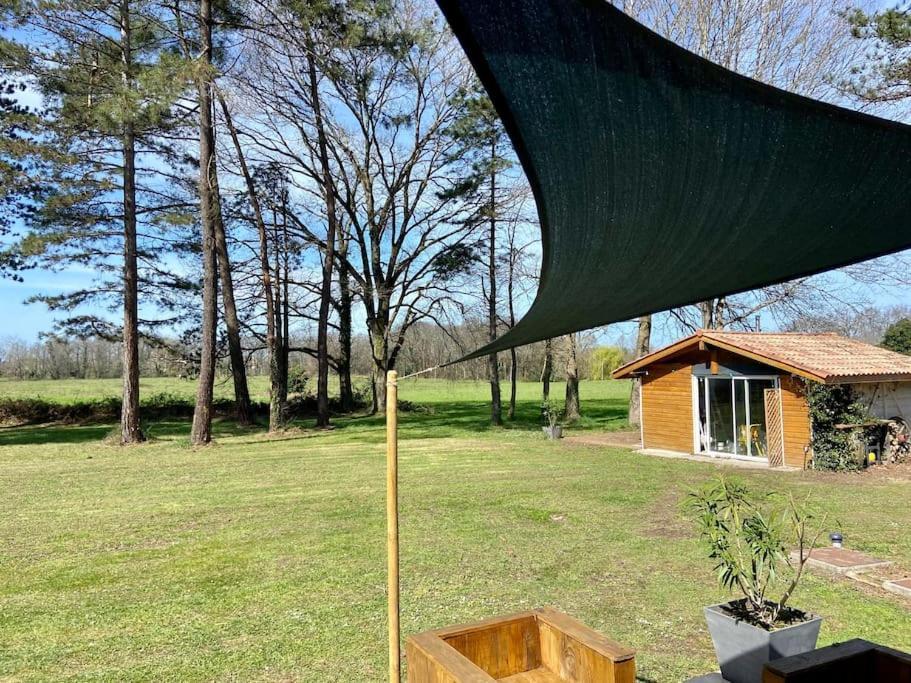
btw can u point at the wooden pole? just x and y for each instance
(392, 523)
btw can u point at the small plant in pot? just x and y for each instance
(748, 537)
(552, 413)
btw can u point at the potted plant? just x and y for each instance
(748, 537)
(553, 419)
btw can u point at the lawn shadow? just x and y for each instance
(430, 420)
(447, 419)
(35, 435)
(58, 433)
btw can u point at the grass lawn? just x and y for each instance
(263, 558)
(69, 390)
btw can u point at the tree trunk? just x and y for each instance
(266, 271)
(513, 382)
(379, 388)
(346, 392)
(548, 370)
(322, 333)
(643, 344)
(511, 303)
(130, 429)
(276, 408)
(720, 304)
(242, 409)
(284, 311)
(712, 313)
(201, 432)
(572, 410)
(277, 368)
(377, 329)
(493, 367)
(707, 309)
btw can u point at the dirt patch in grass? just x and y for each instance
(663, 520)
(884, 473)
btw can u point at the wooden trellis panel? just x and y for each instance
(774, 432)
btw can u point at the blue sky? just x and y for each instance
(28, 321)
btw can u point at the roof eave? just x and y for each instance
(792, 368)
(866, 379)
(703, 337)
(626, 371)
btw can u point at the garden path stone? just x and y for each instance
(900, 587)
(842, 560)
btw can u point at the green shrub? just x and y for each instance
(298, 381)
(898, 337)
(153, 407)
(830, 405)
(553, 413)
(38, 410)
(362, 393)
(164, 400)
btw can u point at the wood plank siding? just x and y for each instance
(667, 411)
(667, 407)
(795, 421)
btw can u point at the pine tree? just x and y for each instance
(110, 88)
(25, 163)
(209, 207)
(482, 142)
(886, 77)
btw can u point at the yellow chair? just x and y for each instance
(751, 433)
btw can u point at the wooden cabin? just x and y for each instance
(741, 394)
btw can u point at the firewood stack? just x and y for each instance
(897, 441)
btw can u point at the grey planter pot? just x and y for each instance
(553, 432)
(743, 649)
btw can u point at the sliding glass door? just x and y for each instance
(732, 415)
(721, 415)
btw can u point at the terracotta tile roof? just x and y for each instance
(828, 358)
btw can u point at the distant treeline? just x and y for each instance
(427, 347)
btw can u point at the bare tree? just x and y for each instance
(389, 156)
(517, 272)
(265, 269)
(798, 45)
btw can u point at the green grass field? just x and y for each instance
(262, 558)
(68, 391)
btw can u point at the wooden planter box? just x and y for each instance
(542, 646)
(850, 662)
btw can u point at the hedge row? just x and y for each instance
(153, 407)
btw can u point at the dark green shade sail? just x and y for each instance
(662, 179)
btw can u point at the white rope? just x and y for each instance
(421, 372)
